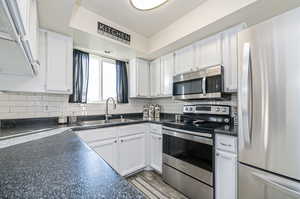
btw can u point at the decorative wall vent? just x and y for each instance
(113, 33)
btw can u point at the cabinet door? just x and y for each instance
(208, 52)
(143, 78)
(184, 59)
(132, 78)
(156, 152)
(230, 58)
(59, 63)
(167, 72)
(107, 150)
(33, 30)
(131, 153)
(24, 9)
(226, 175)
(155, 79)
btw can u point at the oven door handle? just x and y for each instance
(189, 137)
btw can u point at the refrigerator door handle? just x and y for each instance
(290, 188)
(204, 85)
(246, 95)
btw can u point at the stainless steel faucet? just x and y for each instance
(107, 116)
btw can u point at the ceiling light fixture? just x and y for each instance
(147, 4)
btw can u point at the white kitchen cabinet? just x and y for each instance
(132, 156)
(167, 73)
(155, 145)
(21, 83)
(155, 77)
(123, 148)
(104, 142)
(139, 78)
(33, 31)
(184, 59)
(108, 150)
(226, 167)
(226, 172)
(19, 28)
(156, 151)
(59, 63)
(230, 57)
(208, 52)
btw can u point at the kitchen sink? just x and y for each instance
(103, 122)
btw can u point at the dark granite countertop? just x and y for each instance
(30, 126)
(227, 130)
(59, 166)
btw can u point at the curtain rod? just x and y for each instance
(99, 54)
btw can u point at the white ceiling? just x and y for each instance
(146, 23)
(55, 15)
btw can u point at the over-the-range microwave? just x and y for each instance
(206, 83)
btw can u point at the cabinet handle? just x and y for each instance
(226, 144)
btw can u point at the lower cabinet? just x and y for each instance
(156, 151)
(226, 167)
(132, 155)
(123, 148)
(108, 150)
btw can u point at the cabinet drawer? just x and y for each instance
(226, 143)
(132, 129)
(156, 128)
(97, 134)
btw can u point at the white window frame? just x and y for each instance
(101, 60)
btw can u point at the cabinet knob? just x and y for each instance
(122, 140)
(115, 141)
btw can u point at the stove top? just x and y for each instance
(203, 127)
(202, 118)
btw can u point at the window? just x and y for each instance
(102, 79)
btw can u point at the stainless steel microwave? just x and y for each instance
(202, 84)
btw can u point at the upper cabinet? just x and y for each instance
(32, 34)
(155, 77)
(19, 37)
(139, 78)
(167, 73)
(161, 73)
(55, 71)
(59, 63)
(219, 49)
(208, 52)
(184, 59)
(23, 14)
(230, 57)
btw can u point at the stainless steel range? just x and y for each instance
(188, 149)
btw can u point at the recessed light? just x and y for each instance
(147, 4)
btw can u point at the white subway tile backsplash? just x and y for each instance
(24, 105)
(4, 109)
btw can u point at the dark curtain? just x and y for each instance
(80, 77)
(122, 82)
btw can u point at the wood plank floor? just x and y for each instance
(152, 185)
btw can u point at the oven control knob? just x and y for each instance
(191, 109)
(218, 109)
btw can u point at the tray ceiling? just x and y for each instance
(146, 23)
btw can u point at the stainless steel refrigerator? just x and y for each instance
(269, 109)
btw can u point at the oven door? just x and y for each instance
(190, 154)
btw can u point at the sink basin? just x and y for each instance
(103, 122)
